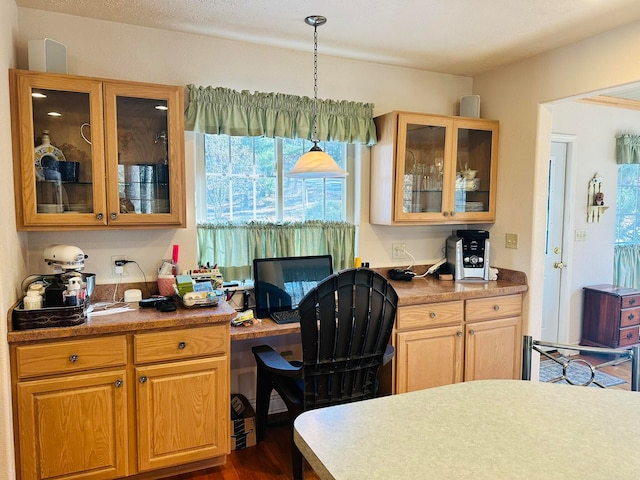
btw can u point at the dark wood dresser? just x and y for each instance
(611, 316)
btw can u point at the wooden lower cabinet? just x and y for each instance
(179, 410)
(85, 409)
(73, 427)
(449, 342)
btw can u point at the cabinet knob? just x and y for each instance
(496, 307)
(182, 345)
(100, 216)
(631, 316)
(143, 379)
(73, 358)
(113, 215)
(459, 334)
(432, 314)
(453, 214)
(446, 214)
(472, 332)
(629, 336)
(632, 301)
(118, 383)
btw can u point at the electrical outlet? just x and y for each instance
(580, 236)
(397, 250)
(511, 240)
(118, 271)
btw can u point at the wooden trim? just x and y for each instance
(607, 101)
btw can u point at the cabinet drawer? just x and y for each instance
(493, 307)
(629, 301)
(629, 317)
(71, 356)
(628, 336)
(178, 344)
(430, 314)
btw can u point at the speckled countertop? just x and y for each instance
(136, 320)
(491, 429)
(417, 291)
(429, 289)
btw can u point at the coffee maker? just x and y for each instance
(468, 255)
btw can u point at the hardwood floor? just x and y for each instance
(269, 460)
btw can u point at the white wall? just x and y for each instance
(143, 54)
(13, 244)
(595, 128)
(516, 94)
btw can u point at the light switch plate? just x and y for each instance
(511, 240)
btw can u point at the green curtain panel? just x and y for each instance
(224, 111)
(626, 266)
(233, 247)
(628, 149)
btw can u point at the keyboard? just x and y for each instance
(286, 316)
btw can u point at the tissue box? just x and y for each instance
(243, 424)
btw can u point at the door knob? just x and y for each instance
(558, 265)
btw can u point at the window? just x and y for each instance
(245, 181)
(628, 205)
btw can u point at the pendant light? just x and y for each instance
(316, 163)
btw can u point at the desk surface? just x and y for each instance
(491, 429)
(264, 327)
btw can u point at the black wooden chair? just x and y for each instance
(345, 326)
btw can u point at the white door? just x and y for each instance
(553, 260)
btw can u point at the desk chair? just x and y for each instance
(345, 326)
(621, 355)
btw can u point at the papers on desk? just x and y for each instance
(109, 308)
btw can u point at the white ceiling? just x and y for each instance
(462, 37)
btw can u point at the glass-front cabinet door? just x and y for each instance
(93, 153)
(60, 160)
(144, 154)
(445, 169)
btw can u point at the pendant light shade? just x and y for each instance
(316, 163)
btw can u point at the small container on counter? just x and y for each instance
(32, 300)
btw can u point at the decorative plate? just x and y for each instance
(44, 150)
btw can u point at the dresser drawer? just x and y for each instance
(628, 336)
(70, 356)
(179, 344)
(493, 307)
(630, 301)
(629, 317)
(430, 314)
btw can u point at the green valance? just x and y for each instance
(225, 111)
(628, 149)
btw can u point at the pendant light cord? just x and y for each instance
(315, 85)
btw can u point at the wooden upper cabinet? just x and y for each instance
(95, 153)
(430, 169)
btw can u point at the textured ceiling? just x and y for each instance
(461, 37)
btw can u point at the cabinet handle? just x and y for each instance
(100, 216)
(629, 336)
(113, 215)
(182, 345)
(496, 307)
(433, 315)
(631, 316)
(453, 214)
(446, 214)
(73, 358)
(118, 383)
(143, 379)
(459, 334)
(472, 332)
(632, 301)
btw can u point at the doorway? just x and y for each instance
(555, 302)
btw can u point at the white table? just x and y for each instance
(491, 429)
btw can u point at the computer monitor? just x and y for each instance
(280, 283)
